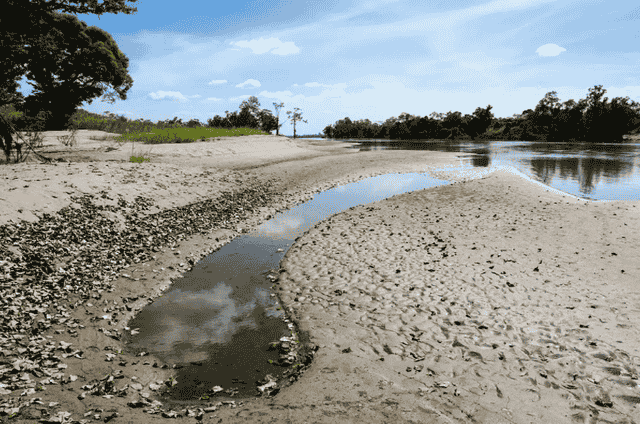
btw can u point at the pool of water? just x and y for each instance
(217, 322)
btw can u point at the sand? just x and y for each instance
(491, 299)
(486, 300)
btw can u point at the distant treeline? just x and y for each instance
(595, 119)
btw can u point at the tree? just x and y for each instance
(622, 117)
(252, 104)
(427, 128)
(479, 121)
(328, 131)
(246, 119)
(295, 117)
(277, 107)
(452, 120)
(231, 120)
(268, 122)
(215, 122)
(193, 123)
(66, 61)
(343, 128)
(567, 123)
(27, 21)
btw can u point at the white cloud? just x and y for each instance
(277, 94)
(235, 99)
(262, 45)
(250, 82)
(217, 82)
(169, 95)
(215, 99)
(195, 96)
(550, 50)
(315, 84)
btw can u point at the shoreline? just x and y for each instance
(347, 380)
(477, 315)
(85, 350)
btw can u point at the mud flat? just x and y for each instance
(491, 300)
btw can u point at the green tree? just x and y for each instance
(246, 118)
(328, 131)
(452, 125)
(295, 116)
(193, 123)
(479, 121)
(277, 107)
(268, 122)
(252, 104)
(344, 128)
(66, 61)
(215, 122)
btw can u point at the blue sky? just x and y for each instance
(369, 58)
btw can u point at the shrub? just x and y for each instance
(138, 159)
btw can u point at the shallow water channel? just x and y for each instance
(219, 319)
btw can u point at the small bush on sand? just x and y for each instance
(138, 159)
(70, 139)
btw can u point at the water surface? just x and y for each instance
(590, 171)
(218, 320)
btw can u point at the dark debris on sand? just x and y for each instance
(50, 267)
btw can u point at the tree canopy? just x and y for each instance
(595, 119)
(66, 61)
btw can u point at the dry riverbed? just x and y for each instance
(485, 300)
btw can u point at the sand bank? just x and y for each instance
(489, 300)
(114, 236)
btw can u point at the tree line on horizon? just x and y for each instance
(595, 119)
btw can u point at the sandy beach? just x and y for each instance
(487, 300)
(493, 300)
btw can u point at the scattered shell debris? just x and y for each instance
(55, 277)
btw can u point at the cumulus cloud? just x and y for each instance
(262, 45)
(214, 99)
(168, 95)
(250, 83)
(217, 82)
(550, 50)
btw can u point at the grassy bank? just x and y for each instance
(174, 131)
(146, 131)
(184, 135)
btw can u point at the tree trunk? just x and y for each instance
(6, 140)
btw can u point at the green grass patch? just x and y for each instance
(184, 135)
(138, 159)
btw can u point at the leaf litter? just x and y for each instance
(63, 261)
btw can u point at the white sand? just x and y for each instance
(518, 299)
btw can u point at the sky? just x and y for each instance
(368, 59)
